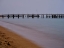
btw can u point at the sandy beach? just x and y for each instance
(37, 37)
(8, 39)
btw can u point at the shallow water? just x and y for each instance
(49, 25)
(48, 33)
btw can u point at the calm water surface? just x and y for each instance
(51, 26)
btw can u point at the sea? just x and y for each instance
(45, 25)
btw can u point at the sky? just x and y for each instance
(31, 6)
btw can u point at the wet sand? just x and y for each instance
(8, 39)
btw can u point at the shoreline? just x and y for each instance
(11, 40)
(38, 38)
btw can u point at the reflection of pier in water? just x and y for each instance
(33, 15)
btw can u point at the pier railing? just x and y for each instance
(33, 15)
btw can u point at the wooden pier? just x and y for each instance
(33, 15)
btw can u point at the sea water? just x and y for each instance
(44, 25)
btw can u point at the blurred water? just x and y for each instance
(51, 26)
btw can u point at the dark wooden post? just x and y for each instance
(38, 16)
(2, 16)
(8, 16)
(13, 16)
(46, 16)
(32, 16)
(18, 16)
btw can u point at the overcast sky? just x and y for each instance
(31, 6)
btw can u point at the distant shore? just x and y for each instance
(8, 39)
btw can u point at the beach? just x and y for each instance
(8, 39)
(31, 24)
(44, 40)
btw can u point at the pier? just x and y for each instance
(33, 15)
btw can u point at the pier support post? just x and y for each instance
(8, 16)
(18, 16)
(13, 16)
